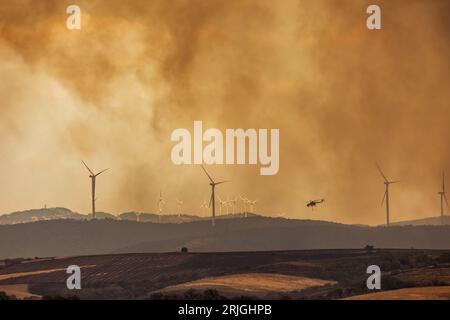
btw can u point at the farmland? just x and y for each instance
(303, 274)
(419, 293)
(260, 285)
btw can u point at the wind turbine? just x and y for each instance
(93, 176)
(244, 205)
(180, 207)
(204, 205)
(443, 197)
(161, 203)
(227, 204)
(386, 194)
(233, 203)
(252, 205)
(221, 203)
(212, 201)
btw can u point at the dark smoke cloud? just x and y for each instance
(343, 97)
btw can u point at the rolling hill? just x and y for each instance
(255, 233)
(304, 274)
(431, 221)
(420, 293)
(43, 214)
(46, 214)
(59, 213)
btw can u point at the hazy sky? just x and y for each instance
(343, 97)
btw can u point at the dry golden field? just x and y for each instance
(254, 284)
(420, 293)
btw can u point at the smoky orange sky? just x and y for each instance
(343, 97)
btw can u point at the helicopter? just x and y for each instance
(313, 203)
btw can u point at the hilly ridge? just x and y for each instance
(82, 237)
(58, 213)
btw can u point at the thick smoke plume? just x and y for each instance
(343, 97)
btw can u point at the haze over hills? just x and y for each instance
(45, 214)
(255, 233)
(59, 213)
(431, 221)
(39, 215)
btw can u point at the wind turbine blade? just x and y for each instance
(379, 169)
(384, 197)
(212, 181)
(446, 201)
(88, 168)
(397, 181)
(443, 181)
(101, 172)
(220, 182)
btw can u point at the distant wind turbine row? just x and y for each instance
(232, 203)
(212, 202)
(246, 202)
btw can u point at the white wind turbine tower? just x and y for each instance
(212, 201)
(247, 206)
(233, 203)
(386, 194)
(180, 207)
(93, 177)
(138, 216)
(244, 202)
(443, 198)
(161, 204)
(221, 204)
(227, 204)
